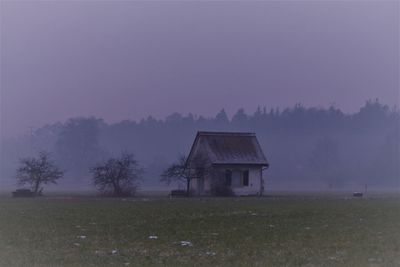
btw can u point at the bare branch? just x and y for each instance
(117, 175)
(37, 171)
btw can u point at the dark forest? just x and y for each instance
(308, 148)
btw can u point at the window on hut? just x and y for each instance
(228, 177)
(246, 178)
(237, 178)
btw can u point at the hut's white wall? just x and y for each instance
(254, 186)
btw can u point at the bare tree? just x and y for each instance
(37, 172)
(184, 172)
(118, 176)
(177, 171)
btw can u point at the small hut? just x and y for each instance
(225, 163)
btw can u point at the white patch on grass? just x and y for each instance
(153, 237)
(186, 244)
(81, 237)
(77, 244)
(211, 253)
(114, 251)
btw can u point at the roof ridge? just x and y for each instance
(226, 133)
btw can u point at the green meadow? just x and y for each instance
(268, 231)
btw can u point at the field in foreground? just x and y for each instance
(281, 231)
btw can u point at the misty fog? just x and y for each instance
(308, 148)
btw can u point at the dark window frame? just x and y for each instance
(245, 178)
(228, 177)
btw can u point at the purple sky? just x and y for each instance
(128, 60)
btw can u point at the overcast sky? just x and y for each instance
(127, 60)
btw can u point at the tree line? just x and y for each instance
(306, 146)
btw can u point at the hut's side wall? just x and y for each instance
(254, 186)
(203, 186)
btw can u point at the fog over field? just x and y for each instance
(308, 148)
(317, 81)
(98, 96)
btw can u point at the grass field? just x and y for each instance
(271, 231)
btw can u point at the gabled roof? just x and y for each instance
(228, 148)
